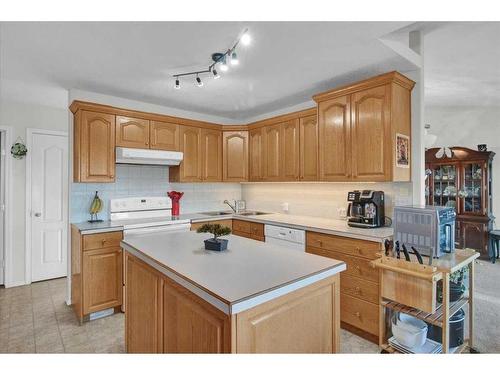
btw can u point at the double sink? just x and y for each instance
(242, 213)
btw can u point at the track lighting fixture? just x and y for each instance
(198, 81)
(246, 39)
(217, 58)
(234, 59)
(223, 65)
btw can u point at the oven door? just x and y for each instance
(156, 229)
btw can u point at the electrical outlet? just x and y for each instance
(342, 211)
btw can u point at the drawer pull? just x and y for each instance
(358, 249)
(357, 289)
(358, 268)
(320, 243)
(357, 314)
(104, 241)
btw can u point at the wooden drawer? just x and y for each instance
(249, 235)
(358, 267)
(225, 223)
(255, 229)
(242, 226)
(359, 313)
(350, 246)
(360, 288)
(102, 240)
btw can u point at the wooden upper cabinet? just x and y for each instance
(235, 156)
(370, 134)
(94, 147)
(334, 120)
(132, 132)
(211, 156)
(361, 128)
(272, 155)
(164, 136)
(255, 154)
(190, 169)
(290, 150)
(308, 135)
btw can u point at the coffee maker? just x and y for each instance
(366, 209)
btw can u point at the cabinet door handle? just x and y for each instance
(104, 241)
(357, 289)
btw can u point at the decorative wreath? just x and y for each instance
(18, 150)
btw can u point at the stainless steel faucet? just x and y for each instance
(234, 208)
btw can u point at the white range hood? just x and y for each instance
(126, 155)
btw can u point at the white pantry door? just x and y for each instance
(49, 205)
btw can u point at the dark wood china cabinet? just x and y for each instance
(463, 182)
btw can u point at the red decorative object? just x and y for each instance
(175, 196)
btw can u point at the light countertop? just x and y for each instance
(248, 273)
(316, 224)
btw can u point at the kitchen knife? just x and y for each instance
(417, 254)
(397, 250)
(407, 255)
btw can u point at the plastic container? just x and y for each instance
(409, 331)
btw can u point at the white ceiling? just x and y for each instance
(462, 64)
(285, 65)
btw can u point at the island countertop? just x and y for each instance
(247, 274)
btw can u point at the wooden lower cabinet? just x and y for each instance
(225, 223)
(359, 284)
(144, 309)
(191, 325)
(248, 229)
(96, 272)
(164, 317)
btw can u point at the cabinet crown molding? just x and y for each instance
(391, 77)
(78, 105)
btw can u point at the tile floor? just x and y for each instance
(35, 319)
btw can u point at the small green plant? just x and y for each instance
(216, 229)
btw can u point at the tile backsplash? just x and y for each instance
(319, 199)
(145, 180)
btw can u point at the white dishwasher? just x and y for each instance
(294, 239)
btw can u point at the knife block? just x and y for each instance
(408, 283)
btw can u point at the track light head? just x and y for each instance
(245, 39)
(223, 65)
(234, 58)
(198, 81)
(177, 84)
(214, 72)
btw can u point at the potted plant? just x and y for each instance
(217, 230)
(457, 287)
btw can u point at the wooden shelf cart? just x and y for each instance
(411, 288)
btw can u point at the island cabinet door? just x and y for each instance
(144, 310)
(304, 321)
(191, 325)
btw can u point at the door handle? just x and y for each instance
(38, 214)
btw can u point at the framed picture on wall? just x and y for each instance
(402, 151)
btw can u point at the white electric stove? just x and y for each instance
(146, 215)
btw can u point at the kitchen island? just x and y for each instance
(253, 298)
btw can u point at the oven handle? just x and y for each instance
(160, 228)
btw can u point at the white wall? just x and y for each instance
(468, 127)
(25, 106)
